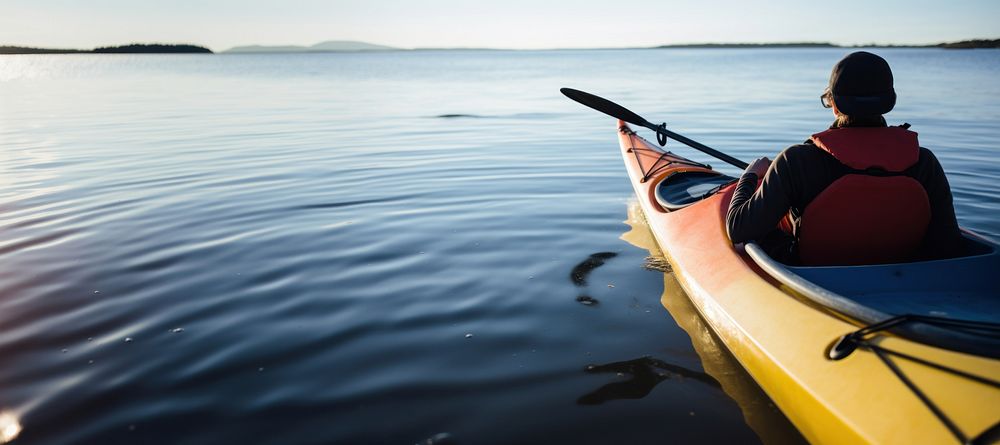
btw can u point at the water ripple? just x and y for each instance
(195, 263)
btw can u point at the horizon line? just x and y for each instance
(692, 45)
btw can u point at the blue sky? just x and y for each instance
(221, 24)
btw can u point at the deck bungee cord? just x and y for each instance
(658, 165)
(861, 338)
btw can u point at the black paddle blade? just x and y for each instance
(605, 106)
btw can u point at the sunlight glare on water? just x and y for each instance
(9, 427)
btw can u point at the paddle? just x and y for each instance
(614, 110)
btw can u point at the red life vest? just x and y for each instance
(873, 214)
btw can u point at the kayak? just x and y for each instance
(892, 353)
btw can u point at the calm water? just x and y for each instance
(298, 249)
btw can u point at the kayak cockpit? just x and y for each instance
(963, 288)
(682, 188)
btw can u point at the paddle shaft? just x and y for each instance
(697, 145)
(614, 110)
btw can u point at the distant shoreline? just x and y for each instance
(355, 47)
(135, 48)
(964, 44)
(358, 47)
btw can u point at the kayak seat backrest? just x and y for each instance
(862, 219)
(683, 188)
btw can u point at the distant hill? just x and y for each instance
(267, 49)
(135, 48)
(328, 46)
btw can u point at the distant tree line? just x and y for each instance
(965, 44)
(752, 45)
(26, 50)
(134, 48)
(153, 48)
(968, 44)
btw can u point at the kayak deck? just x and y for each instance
(782, 340)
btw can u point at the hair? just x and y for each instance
(874, 120)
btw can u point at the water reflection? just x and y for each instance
(587, 300)
(581, 271)
(643, 373)
(759, 412)
(439, 439)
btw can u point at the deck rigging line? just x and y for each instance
(848, 343)
(656, 167)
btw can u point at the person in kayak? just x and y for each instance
(859, 193)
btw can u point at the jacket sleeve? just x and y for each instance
(753, 214)
(943, 237)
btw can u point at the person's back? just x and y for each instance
(858, 193)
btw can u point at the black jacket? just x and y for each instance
(800, 173)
